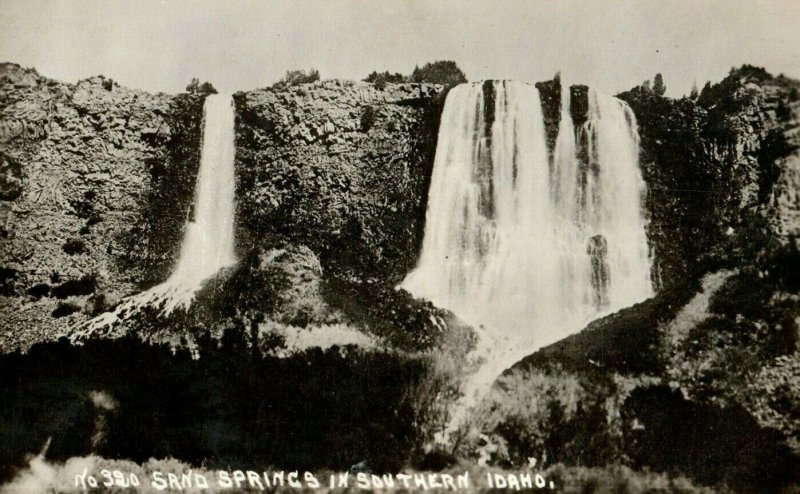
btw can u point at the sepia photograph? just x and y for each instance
(400, 246)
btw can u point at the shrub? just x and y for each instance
(750, 72)
(296, 78)
(84, 208)
(532, 412)
(381, 78)
(622, 479)
(375, 76)
(444, 72)
(206, 88)
(65, 309)
(98, 304)
(773, 397)
(367, 118)
(658, 85)
(10, 178)
(7, 278)
(195, 87)
(83, 286)
(40, 290)
(711, 439)
(75, 246)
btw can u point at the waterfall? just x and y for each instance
(527, 250)
(208, 241)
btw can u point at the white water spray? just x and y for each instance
(528, 251)
(208, 240)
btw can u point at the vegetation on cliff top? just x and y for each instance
(296, 78)
(195, 87)
(445, 72)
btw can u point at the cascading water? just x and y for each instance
(526, 250)
(208, 242)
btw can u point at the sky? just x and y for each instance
(613, 45)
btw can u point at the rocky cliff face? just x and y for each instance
(97, 181)
(340, 166)
(721, 171)
(94, 183)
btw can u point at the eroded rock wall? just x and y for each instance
(95, 181)
(340, 166)
(721, 170)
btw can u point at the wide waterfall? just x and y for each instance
(526, 249)
(208, 241)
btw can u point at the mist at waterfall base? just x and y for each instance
(208, 241)
(526, 248)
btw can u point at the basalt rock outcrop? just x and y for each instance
(342, 167)
(95, 180)
(721, 171)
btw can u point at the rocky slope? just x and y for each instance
(95, 183)
(683, 382)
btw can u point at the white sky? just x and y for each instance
(160, 45)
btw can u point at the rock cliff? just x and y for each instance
(340, 166)
(95, 181)
(721, 171)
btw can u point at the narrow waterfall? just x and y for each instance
(526, 250)
(208, 241)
